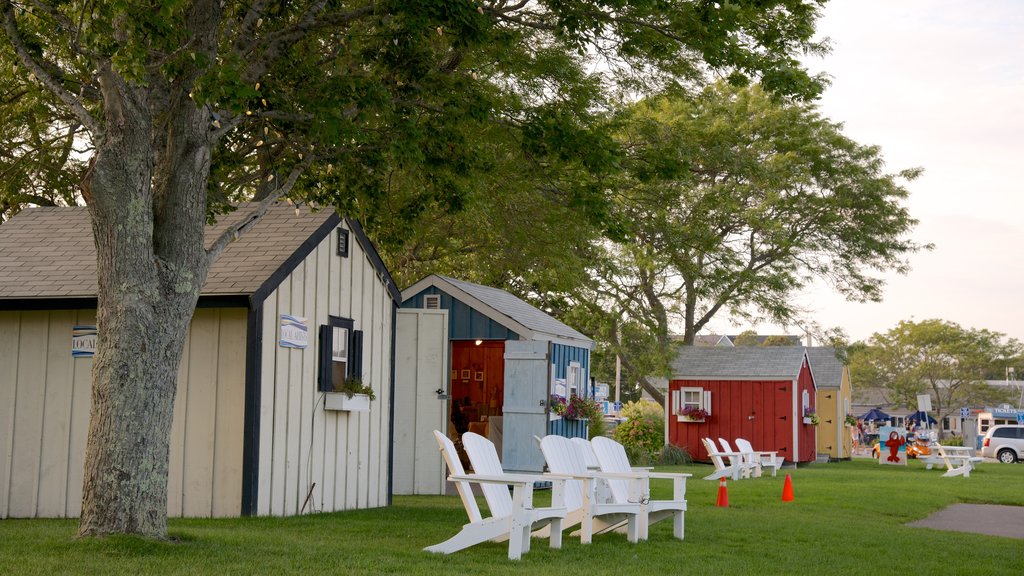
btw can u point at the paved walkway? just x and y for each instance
(990, 519)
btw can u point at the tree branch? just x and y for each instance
(69, 99)
(235, 231)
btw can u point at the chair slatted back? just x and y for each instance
(563, 457)
(588, 452)
(451, 458)
(484, 459)
(613, 459)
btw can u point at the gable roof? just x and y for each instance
(739, 363)
(48, 253)
(504, 308)
(827, 369)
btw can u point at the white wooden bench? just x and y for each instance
(959, 460)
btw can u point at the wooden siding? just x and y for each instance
(464, 322)
(45, 401)
(562, 355)
(762, 412)
(312, 459)
(806, 433)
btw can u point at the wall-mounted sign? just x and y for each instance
(83, 341)
(294, 332)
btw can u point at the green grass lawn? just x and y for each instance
(847, 518)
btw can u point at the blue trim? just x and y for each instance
(391, 410)
(378, 264)
(251, 423)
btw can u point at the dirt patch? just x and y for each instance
(990, 519)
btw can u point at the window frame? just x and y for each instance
(353, 360)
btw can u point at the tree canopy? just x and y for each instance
(935, 357)
(731, 203)
(180, 108)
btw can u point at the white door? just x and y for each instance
(421, 400)
(527, 379)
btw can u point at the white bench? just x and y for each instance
(959, 460)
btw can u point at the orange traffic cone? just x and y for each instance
(787, 490)
(723, 494)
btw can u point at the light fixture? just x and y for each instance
(479, 342)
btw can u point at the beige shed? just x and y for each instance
(299, 299)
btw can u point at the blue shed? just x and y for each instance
(504, 360)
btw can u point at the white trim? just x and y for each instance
(797, 420)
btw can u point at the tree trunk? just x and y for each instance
(150, 265)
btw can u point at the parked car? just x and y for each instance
(1005, 443)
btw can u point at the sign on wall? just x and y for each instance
(892, 445)
(294, 332)
(83, 341)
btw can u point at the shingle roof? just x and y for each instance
(740, 363)
(827, 369)
(505, 304)
(49, 252)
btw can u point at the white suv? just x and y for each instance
(1005, 443)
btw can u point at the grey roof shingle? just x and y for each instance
(519, 310)
(827, 369)
(740, 363)
(49, 252)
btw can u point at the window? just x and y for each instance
(691, 399)
(341, 353)
(572, 379)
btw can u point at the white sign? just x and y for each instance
(965, 412)
(924, 402)
(83, 341)
(294, 332)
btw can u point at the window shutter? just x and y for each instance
(325, 358)
(355, 355)
(675, 402)
(707, 402)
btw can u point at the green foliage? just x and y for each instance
(353, 385)
(936, 357)
(672, 455)
(643, 432)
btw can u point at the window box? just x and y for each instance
(808, 421)
(345, 402)
(682, 418)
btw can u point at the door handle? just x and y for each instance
(543, 403)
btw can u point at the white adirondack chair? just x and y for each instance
(566, 460)
(588, 453)
(512, 517)
(767, 459)
(613, 459)
(959, 460)
(751, 467)
(723, 469)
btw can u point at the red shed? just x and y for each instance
(757, 393)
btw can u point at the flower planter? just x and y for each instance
(808, 421)
(344, 402)
(688, 419)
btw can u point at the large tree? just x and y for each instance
(731, 203)
(934, 357)
(185, 106)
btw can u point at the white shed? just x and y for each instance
(251, 433)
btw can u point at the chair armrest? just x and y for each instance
(669, 475)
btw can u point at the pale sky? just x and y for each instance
(938, 84)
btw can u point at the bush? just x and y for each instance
(952, 441)
(672, 455)
(643, 432)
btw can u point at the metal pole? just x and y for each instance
(618, 379)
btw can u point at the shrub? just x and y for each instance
(672, 455)
(643, 432)
(953, 441)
